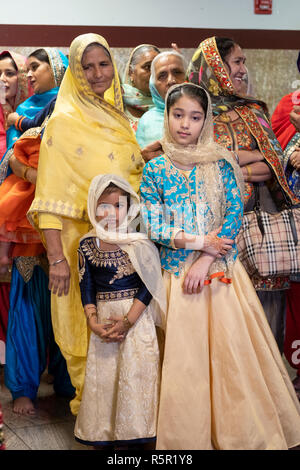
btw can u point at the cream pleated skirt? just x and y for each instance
(120, 394)
(224, 385)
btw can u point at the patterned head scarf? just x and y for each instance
(24, 89)
(58, 63)
(207, 69)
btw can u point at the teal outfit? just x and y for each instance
(151, 124)
(169, 204)
(292, 175)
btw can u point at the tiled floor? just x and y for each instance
(52, 426)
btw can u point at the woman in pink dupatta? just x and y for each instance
(15, 89)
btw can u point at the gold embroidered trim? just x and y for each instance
(33, 132)
(52, 206)
(123, 270)
(119, 259)
(81, 264)
(116, 295)
(57, 66)
(215, 62)
(4, 164)
(26, 264)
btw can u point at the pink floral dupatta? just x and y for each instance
(24, 91)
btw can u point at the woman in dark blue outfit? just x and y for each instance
(120, 282)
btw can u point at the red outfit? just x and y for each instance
(281, 125)
(2, 133)
(23, 92)
(285, 131)
(16, 196)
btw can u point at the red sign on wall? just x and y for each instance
(263, 7)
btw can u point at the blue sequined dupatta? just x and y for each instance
(292, 175)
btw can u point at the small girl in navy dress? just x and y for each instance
(123, 297)
(224, 385)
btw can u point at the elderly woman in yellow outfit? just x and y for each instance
(88, 134)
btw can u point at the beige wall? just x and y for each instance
(272, 72)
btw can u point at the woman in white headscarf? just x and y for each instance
(135, 87)
(167, 69)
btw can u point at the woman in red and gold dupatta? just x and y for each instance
(242, 124)
(16, 89)
(284, 124)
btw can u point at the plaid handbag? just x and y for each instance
(268, 243)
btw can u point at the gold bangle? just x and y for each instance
(24, 172)
(249, 171)
(57, 262)
(127, 323)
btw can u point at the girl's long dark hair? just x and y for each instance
(185, 89)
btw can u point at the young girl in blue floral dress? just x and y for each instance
(224, 385)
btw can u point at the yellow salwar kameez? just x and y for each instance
(85, 136)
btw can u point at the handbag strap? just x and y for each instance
(290, 208)
(257, 210)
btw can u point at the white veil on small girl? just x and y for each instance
(142, 252)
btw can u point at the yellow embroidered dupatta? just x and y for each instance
(85, 136)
